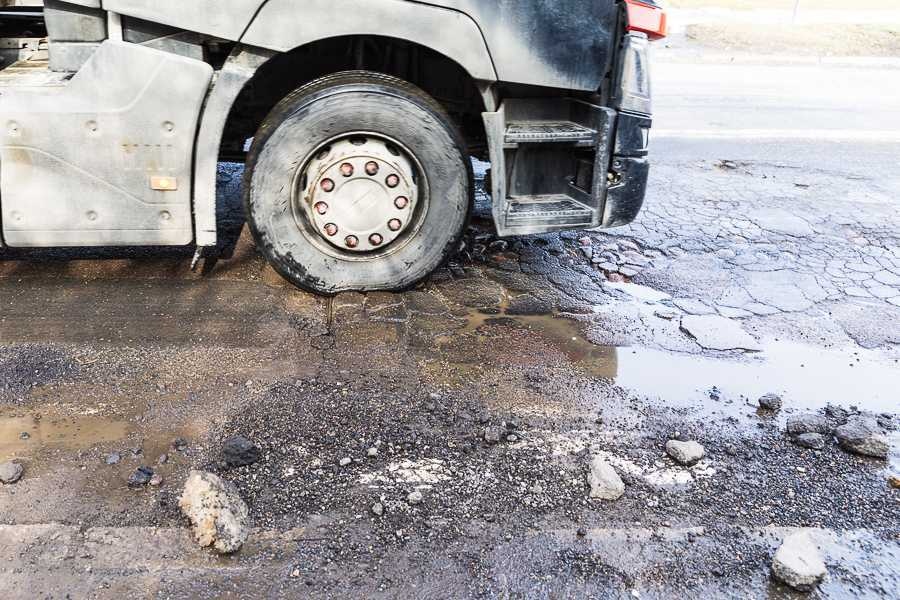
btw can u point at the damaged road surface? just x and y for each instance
(439, 442)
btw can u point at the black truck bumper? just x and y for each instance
(629, 166)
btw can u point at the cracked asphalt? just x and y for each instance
(758, 265)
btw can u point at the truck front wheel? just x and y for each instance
(357, 181)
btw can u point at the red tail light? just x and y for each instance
(646, 18)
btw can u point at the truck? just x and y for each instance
(356, 120)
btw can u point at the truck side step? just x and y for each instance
(548, 210)
(537, 132)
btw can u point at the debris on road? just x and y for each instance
(141, 477)
(492, 435)
(604, 481)
(11, 472)
(238, 451)
(862, 436)
(797, 563)
(771, 402)
(713, 332)
(219, 516)
(685, 453)
(813, 441)
(807, 423)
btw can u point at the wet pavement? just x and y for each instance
(741, 278)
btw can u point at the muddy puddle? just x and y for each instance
(23, 435)
(808, 377)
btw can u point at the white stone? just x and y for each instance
(604, 481)
(685, 453)
(219, 516)
(797, 563)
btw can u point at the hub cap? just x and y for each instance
(360, 193)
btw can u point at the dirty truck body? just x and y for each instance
(355, 118)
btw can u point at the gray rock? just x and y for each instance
(415, 498)
(10, 472)
(807, 423)
(798, 564)
(378, 509)
(862, 436)
(238, 451)
(219, 516)
(604, 481)
(492, 435)
(113, 458)
(372, 452)
(813, 441)
(685, 453)
(587, 251)
(156, 480)
(345, 461)
(140, 477)
(771, 402)
(718, 333)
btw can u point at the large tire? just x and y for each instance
(341, 105)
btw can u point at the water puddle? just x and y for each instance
(23, 435)
(808, 377)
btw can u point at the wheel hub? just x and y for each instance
(360, 193)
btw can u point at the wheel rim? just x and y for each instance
(360, 194)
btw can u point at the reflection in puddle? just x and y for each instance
(562, 333)
(807, 376)
(67, 432)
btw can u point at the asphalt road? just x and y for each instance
(763, 262)
(843, 118)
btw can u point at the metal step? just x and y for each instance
(543, 211)
(542, 132)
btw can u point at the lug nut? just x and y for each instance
(375, 239)
(347, 170)
(392, 181)
(331, 229)
(395, 224)
(352, 241)
(401, 202)
(372, 168)
(327, 185)
(321, 208)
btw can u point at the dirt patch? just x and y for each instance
(804, 40)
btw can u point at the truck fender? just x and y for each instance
(283, 25)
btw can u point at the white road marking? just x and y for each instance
(827, 135)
